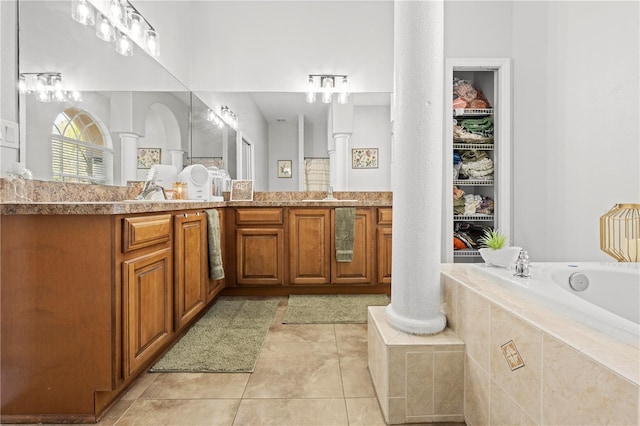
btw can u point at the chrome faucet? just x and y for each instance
(522, 265)
(330, 193)
(150, 187)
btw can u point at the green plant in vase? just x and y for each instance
(493, 239)
(495, 251)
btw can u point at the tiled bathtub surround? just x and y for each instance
(418, 379)
(571, 375)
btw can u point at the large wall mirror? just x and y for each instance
(135, 99)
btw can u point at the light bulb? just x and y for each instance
(44, 95)
(311, 93)
(117, 12)
(136, 26)
(104, 29)
(327, 86)
(82, 12)
(75, 95)
(22, 85)
(152, 42)
(124, 46)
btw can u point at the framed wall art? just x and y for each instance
(284, 168)
(147, 157)
(364, 158)
(241, 190)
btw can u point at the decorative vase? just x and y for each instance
(504, 257)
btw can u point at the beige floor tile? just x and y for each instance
(197, 386)
(296, 370)
(364, 412)
(351, 332)
(181, 412)
(356, 379)
(293, 412)
(301, 333)
(140, 385)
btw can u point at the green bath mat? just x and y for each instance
(228, 338)
(331, 309)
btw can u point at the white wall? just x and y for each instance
(8, 77)
(576, 118)
(283, 145)
(371, 129)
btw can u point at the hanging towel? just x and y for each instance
(216, 271)
(345, 223)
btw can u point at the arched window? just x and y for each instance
(79, 152)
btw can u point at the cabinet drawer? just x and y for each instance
(145, 231)
(385, 216)
(260, 216)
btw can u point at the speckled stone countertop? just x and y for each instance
(38, 197)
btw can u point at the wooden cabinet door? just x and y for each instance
(309, 246)
(191, 266)
(147, 299)
(259, 256)
(384, 255)
(359, 270)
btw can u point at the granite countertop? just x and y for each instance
(273, 199)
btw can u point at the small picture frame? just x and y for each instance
(364, 158)
(284, 168)
(147, 157)
(241, 190)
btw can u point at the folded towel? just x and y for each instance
(344, 233)
(216, 271)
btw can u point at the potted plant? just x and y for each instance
(495, 251)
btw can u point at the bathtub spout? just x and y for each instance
(522, 265)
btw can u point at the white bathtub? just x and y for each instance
(610, 303)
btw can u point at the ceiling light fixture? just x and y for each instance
(47, 86)
(328, 85)
(119, 21)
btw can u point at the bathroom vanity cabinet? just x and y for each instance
(88, 302)
(384, 241)
(291, 249)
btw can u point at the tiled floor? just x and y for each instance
(306, 375)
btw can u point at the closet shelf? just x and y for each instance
(466, 253)
(473, 182)
(472, 112)
(476, 146)
(472, 217)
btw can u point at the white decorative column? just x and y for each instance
(128, 157)
(342, 161)
(417, 167)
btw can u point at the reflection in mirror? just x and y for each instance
(211, 144)
(132, 104)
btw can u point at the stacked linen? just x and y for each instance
(476, 165)
(473, 130)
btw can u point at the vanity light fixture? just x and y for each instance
(47, 86)
(229, 117)
(214, 118)
(328, 85)
(119, 21)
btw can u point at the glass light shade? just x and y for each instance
(124, 45)
(55, 82)
(117, 12)
(327, 86)
(210, 115)
(82, 12)
(104, 29)
(58, 95)
(343, 91)
(75, 95)
(152, 42)
(620, 232)
(22, 85)
(311, 90)
(44, 95)
(136, 26)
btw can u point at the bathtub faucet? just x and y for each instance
(522, 265)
